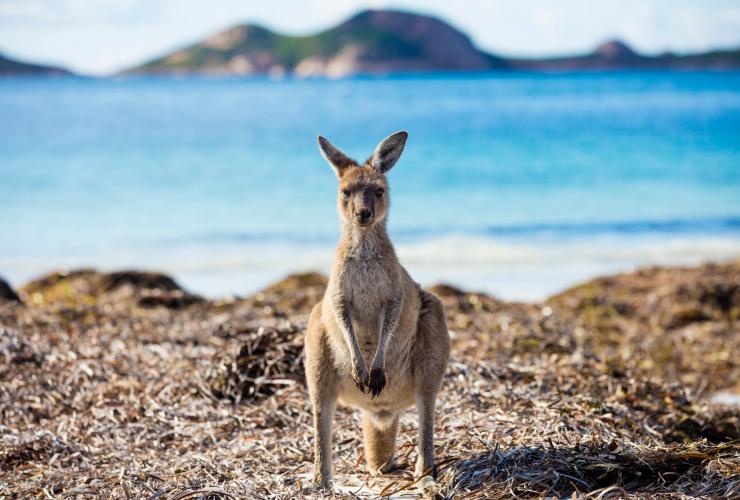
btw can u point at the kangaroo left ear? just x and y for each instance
(389, 151)
(338, 160)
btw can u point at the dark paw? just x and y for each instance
(360, 378)
(376, 382)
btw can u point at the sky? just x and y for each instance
(99, 37)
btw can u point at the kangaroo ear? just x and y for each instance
(338, 160)
(389, 151)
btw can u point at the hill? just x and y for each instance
(616, 55)
(372, 41)
(387, 41)
(10, 66)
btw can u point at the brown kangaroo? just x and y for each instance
(373, 310)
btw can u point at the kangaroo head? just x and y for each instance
(362, 197)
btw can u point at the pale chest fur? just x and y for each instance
(367, 286)
(368, 273)
(366, 277)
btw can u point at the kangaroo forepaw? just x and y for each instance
(376, 383)
(360, 376)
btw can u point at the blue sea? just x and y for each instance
(512, 183)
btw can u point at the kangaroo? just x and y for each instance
(373, 310)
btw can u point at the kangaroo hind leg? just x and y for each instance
(322, 387)
(434, 340)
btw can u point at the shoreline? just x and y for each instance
(510, 269)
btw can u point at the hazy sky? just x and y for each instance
(99, 36)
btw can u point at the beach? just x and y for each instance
(585, 228)
(184, 184)
(125, 384)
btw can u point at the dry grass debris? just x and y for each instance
(125, 385)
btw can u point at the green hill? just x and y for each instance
(370, 42)
(386, 41)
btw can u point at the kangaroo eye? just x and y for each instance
(345, 192)
(379, 192)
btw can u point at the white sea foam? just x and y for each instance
(520, 269)
(534, 270)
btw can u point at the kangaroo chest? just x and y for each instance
(367, 285)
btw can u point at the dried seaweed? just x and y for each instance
(270, 357)
(600, 391)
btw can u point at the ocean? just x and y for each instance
(516, 184)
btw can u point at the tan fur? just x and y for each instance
(376, 341)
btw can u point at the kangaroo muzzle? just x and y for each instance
(364, 215)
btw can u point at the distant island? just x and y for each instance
(10, 66)
(386, 41)
(379, 42)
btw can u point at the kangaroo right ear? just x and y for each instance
(338, 160)
(389, 151)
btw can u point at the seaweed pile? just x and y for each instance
(125, 385)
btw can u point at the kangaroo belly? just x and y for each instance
(368, 336)
(400, 389)
(398, 394)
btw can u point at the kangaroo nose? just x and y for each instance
(364, 215)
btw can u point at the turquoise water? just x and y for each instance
(518, 184)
